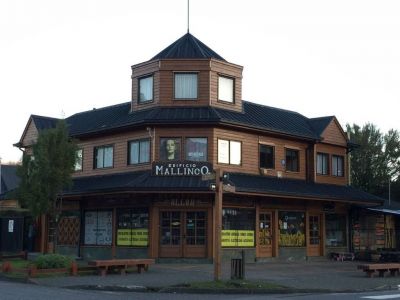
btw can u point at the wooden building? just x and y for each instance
(151, 172)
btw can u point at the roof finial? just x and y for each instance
(188, 16)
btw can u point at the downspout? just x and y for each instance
(152, 135)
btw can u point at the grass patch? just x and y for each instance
(235, 284)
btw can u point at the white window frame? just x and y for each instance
(226, 89)
(142, 79)
(78, 160)
(103, 154)
(229, 157)
(139, 142)
(180, 92)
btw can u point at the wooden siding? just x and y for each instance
(120, 144)
(333, 134)
(167, 70)
(332, 150)
(141, 71)
(30, 135)
(250, 153)
(233, 71)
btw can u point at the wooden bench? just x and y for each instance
(342, 256)
(121, 264)
(370, 269)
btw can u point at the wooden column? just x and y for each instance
(275, 232)
(217, 224)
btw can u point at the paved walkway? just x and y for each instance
(326, 275)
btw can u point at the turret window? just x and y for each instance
(146, 89)
(185, 86)
(225, 89)
(337, 165)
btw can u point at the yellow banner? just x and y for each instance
(133, 237)
(237, 238)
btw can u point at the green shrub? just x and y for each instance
(53, 261)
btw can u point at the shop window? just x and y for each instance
(139, 152)
(291, 229)
(229, 152)
(267, 157)
(132, 227)
(238, 227)
(196, 149)
(145, 89)
(337, 165)
(322, 163)
(292, 160)
(196, 228)
(226, 87)
(103, 157)
(170, 149)
(78, 160)
(185, 86)
(68, 228)
(98, 227)
(335, 226)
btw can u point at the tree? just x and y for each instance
(47, 172)
(376, 160)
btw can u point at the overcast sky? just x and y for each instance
(318, 57)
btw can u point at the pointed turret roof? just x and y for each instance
(188, 47)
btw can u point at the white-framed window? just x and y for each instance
(145, 89)
(337, 165)
(196, 149)
(226, 87)
(103, 157)
(139, 151)
(229, 152)
(185, 86)
(322, 163)
(98, 227)
(78, 160)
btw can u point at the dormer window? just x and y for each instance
(145, 89)
(225, 89)
(185, 86)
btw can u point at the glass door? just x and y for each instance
(265, 237)
(171, 234)
(314, 235)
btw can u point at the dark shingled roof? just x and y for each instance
(136, 181)
(319, 124)
(9, 179)
(42, 122)
(299, 188)
(253, 115)
(145, 181)
(187, 47)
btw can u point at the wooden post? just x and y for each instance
(218, 224)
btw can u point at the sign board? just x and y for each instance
(181, 168)
(209, 176)
(228, 188)
(237, 238)
(133, 237)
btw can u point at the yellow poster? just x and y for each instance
(237, 238)
(133, 237)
